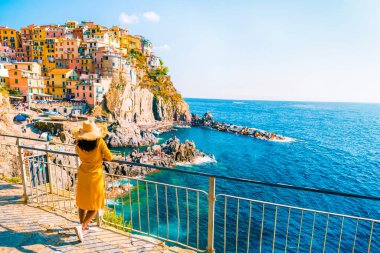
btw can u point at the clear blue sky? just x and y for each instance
(323, 50)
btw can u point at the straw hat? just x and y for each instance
(89, 131)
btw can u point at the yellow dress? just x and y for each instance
(90, 185)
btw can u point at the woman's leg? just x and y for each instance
(89, 216)
(82, 215)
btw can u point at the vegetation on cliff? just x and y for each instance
(156, 80)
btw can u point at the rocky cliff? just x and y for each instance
(152, 98)
(6, 124)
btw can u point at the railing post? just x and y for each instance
(23, 171)
(211, 215)
(49, 168)
(98, 219)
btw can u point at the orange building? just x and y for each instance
(26, 78)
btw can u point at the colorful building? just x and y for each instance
(134, 42)
(72, 24)
(92, 88)
(75, 64)
(113, 64)
(60, 82)
(7, 54)
(153, 62)
(26, 78)
(78, 33)
(10, 37)
(4, 76)
(67, 48)
(87, 66)
(55, 32)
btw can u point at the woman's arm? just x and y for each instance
(107, 155)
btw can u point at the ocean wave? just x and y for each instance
(238, 102)
(285, 139)
(199, 160)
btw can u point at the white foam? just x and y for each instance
(237, 102)
(285, 139)
(199, 160)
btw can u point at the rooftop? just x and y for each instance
(60, 71)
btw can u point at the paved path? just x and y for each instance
(27, 228)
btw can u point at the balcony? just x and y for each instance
(203, 217)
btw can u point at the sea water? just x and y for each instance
(336, 146)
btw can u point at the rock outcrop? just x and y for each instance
(128, 135)
(208, 121)
(168, 154)
(169, 110)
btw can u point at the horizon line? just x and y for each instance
(271, 100)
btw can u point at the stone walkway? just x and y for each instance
(27, 228)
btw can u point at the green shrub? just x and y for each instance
(116, 220)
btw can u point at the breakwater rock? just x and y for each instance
(208, 121)
(168, 154)
(128, 136)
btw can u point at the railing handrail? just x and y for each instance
(236, 179)
(23, 138)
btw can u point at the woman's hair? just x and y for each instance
(87, 145)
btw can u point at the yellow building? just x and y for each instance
(43, 50)
(87, 65)
(10, 37)
(71, 24)
(59, 83)
(120, 34)
(39, 37)
(133, 42)
(97, 29)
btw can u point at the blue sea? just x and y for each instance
(336, 146)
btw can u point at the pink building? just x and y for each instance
(56, 32)
(75, 64)
(7, 52)
(92, 88)
(67, 48)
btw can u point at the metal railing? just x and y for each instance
(199, 219)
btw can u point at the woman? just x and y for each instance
(92, 150)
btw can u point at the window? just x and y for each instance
(29, 67)
(64, 90)
(15, 73)
(77, 88)
(52, 76)
(63, 76)
(90, 88)
(77, 94)
(53, 89)
(16, 66)
(47, 82)
(84, 88)
(90, 95)
(16, 81)
(52, 82)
